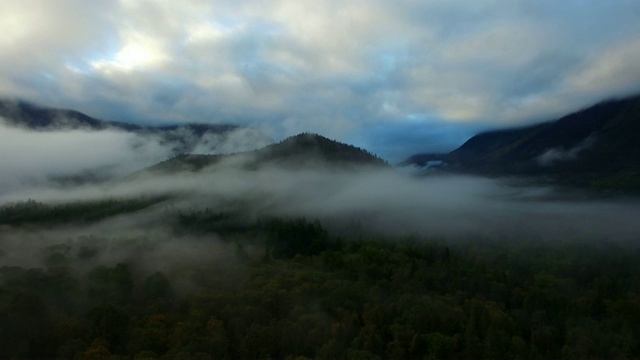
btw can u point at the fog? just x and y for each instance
(383, 201)
(555, 155)
(349, 202)
(31, 159)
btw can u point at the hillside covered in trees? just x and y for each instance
(593, 148)
(300, 151)
(290, 288)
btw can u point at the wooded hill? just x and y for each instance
(596, 147)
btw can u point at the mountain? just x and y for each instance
(34, 117)
(299, 151)
(183, 138)
(308, 148)
(596, 147)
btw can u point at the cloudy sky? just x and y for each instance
(392, 76)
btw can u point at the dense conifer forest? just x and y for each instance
(291, 289)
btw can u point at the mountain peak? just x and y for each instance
(306, 148)
(296, 152)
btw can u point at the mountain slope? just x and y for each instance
(597, 146)
(299, 151)
(33, 117)
(308, 148)
(183, 138)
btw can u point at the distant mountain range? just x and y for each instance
(183, 138)
(597, 147)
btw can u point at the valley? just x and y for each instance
(311, 248)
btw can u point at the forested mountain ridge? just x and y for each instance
(34, 117)
(307, 147)
(299, 151)
(180, 137)
(596, 147)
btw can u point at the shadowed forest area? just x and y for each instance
(289, 288)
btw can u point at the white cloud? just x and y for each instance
(383, 201)
(138, 51)
(29, 158)
(291, 65)
(32, 158)
(616, 69)
(555, 155)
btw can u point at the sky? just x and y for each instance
(394, 77)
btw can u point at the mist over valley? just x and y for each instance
(319, 180)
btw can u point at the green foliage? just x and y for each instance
(203, 221)
(287, 238)
(109, 324)
(33, 212)
(305, 147)
(624, 181)
(301, 150)
(110, 285)
(319, 296)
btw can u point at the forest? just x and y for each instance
(290, 288)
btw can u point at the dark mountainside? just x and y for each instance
(299, 151)
(33, 117)
(306, 148)
(596, 147)
(182, 138)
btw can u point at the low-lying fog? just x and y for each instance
(31, 158)
(366, 201)
(381, 201)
